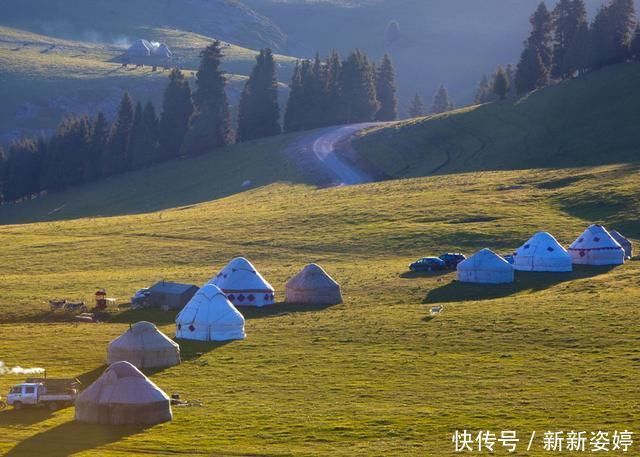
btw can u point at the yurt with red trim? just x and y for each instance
(542, 252)
(209, 316)
(244, 285)
(596, 246)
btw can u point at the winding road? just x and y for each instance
(320, 147)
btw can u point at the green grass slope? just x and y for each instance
(376, 375)
(44, 79)
(171, 184)
(588, 121)
(228, 20)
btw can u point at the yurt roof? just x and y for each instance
(485, 259)
(542, 244)
(122, 383)
(241, 275)
(595, 237)
(143, 334)
(312, 276)
(209, 304)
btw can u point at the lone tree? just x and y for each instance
(259, 112)
(392, 33)
(501, 84)
(118, 143)
(416, 109)
(386, 91)
(177, 109)
(209, 126)
(441, 101)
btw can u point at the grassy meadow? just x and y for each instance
(375, 375)
(587, 121)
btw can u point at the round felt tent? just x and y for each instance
(624, 242)
(209, 316)
(596, 246)
(244, 285)
(123, 396)
(144, 346)
(313, 286)
(140, 48)
(542, 253)
(485, 267)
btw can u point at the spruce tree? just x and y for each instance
(416, 109)
(568, 17)
(359, 103)
(392, 33)
(531, 72)
(501, 84)
(484, 92)
(22, 170)
(259, 112)
(386, 91)
(441, 101)
(580, 53)
(66, 154)
(333, 89)
(209, 126)
(119, 137)
(177, 108)
(94, 160)
(295, 102)
(613, 30)
(144, 136)
(635, 44)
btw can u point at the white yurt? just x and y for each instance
(313, 286)
(144, 346)
(485, 267)
(624, 242)
(163, 51)
(542, 253)
(244, 285)
(596, 247)
(209, 316)
(140, 48)
(123, 396)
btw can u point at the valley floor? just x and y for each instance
(375, 375)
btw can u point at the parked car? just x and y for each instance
(428, 264)
(452, 259)
(139, 299)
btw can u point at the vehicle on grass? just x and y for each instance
(452, 259)
(51, 393)
(139, 299)
(428, 264)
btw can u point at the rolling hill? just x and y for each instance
(375, 375)
(44, 79)
(588, 121)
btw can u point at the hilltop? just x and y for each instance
(587, 121)
(46, 78)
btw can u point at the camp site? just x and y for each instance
(319, 228)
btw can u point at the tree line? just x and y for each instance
(441, 103)
(84, 148)
(563, 44)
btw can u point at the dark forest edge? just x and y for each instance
(85, 149)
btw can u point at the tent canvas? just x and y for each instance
(144, 346)
(122, 396)
(209, 316)
(170, 295)
(596, 246)
(485, 267)
(244, 285)
(542, 253)
(313, 286)
(624, 242)
(140, 48)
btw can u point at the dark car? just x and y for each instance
(452, 259)
(428, 264)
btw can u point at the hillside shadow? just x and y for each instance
(71, 438)
(424, 274)
(25, 416)
(457, 291)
